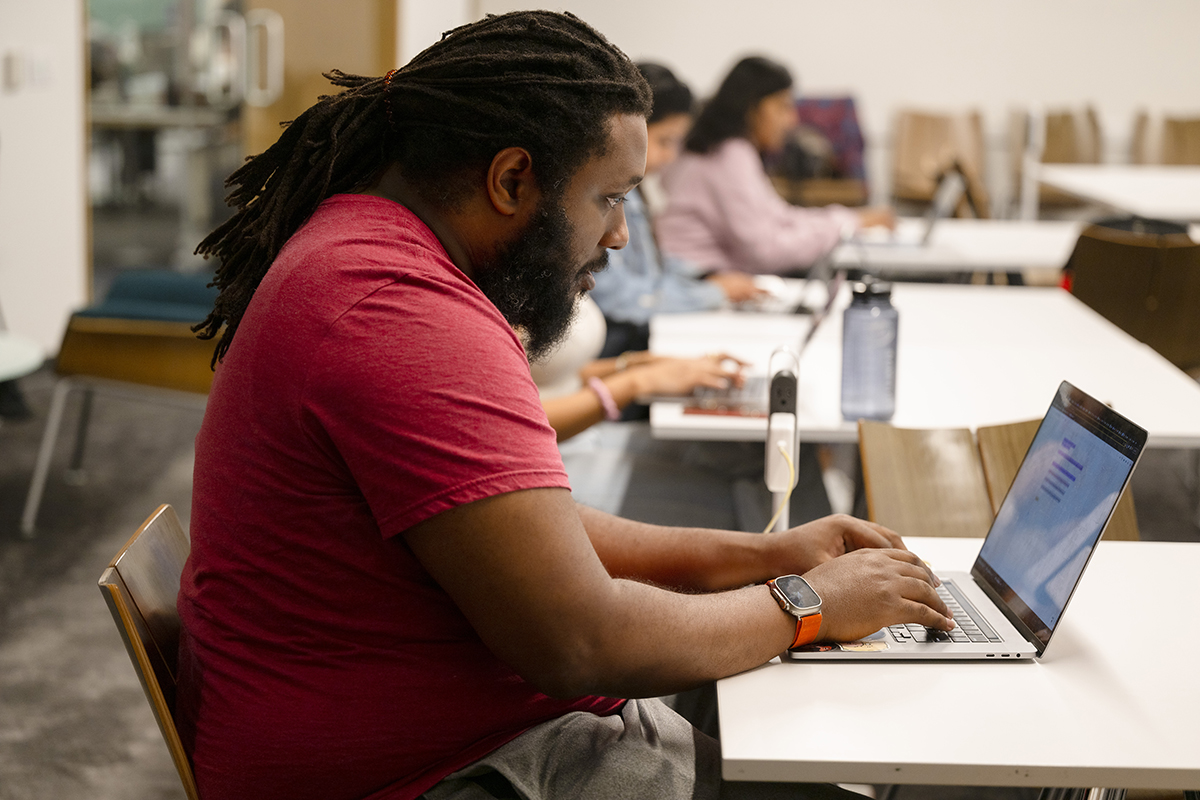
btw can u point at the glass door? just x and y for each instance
(169, 81)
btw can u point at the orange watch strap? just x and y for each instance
(807, 629)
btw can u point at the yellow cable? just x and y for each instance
(787, 496)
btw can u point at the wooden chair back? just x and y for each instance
(1146, 284)
(1068, 136)
(1165, 139)
(925, 145)
(1002, 448)
(1181, 141)
(923, 482)
(140, 585)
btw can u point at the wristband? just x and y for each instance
(606, 399)
(807, 630)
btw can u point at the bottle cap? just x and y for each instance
(869, 288)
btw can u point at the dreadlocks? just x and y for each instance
(543, 81)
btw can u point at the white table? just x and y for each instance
(968, 356)
(963, 245)
(18, 356)
(1113, 702)
(1157, 192)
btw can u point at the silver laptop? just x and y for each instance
(1012, 600)
(950, 190)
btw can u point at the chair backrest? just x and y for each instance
(1165, 139)
(923, 482)
(1181, 141)
(1146, 284)
(140, 585)
(942, 482)
(1002, 448)
(925, 145)
(1066, 136)
(1072, 137)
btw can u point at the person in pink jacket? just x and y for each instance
(723, 213)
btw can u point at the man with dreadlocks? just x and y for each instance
(390, 592)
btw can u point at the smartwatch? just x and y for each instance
(797, 598)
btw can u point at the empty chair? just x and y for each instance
(1002, 448)
(923, 482)
(926, 145)
(948, 482)
(140, 585)
(1146, 284)
(1165, 140)
(138, 339)
(1062, 136)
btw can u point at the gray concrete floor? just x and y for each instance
(74, 722)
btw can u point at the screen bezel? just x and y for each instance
(1094, 416)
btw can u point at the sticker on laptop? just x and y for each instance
(863, 647)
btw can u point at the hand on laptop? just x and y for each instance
(661, 375)
(881, 216)
(816, 542)
(869, 589)
(739, 287)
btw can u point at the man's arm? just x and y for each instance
(703, 559)
(525, 573)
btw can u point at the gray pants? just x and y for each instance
(646, 751)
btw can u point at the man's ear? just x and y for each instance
(510, 183)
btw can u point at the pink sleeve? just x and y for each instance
(763, 231)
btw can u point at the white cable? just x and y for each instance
(787, 496)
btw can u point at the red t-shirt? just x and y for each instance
(370, 386)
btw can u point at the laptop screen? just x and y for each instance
(1053, 516)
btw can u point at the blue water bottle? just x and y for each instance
(869, 329)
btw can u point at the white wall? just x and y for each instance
(44, 272)
(938, 54)
(420, 23)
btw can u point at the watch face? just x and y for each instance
(798, 592)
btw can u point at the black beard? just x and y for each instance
(528, 282)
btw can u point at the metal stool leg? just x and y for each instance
(75, 475)
(42, 467)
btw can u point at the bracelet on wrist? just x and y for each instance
(606, 399)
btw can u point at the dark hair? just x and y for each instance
(724, 116)
(671, 95)
(544, 81)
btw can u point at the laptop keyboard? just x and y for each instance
(972, 627)
(752, 395)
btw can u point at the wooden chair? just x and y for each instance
(925, 146)
(923, 482)
(1146, 284)
(944, 482)
(1165, 140)
(1002, 448)
(1061, 136)
(137, 343)
(140, 585)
